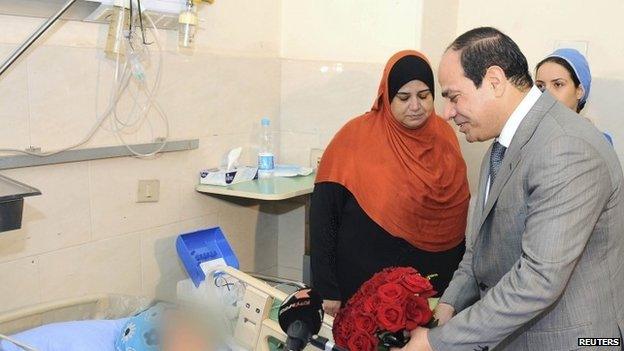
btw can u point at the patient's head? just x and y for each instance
(185, 332)
(165, 327)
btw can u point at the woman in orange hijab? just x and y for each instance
(391, 189)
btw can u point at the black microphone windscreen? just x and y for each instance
(304, 305)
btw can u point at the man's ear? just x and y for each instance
(496, 80)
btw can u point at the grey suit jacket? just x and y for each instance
(544, 263)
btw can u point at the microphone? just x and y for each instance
(325, 344)
(300, 317)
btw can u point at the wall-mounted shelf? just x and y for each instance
(96, 153)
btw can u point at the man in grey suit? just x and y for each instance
(544, 263)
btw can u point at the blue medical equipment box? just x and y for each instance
(204, 245)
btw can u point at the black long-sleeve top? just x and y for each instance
(347, 247)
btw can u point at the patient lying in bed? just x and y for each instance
(161, 327)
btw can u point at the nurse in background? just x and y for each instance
(565, 74)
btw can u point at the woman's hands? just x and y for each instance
(331, 307)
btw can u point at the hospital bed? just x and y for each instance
(100, 306)
(253, 331)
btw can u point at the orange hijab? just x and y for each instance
(412, 182)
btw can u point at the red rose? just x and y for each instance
(342, 328)
(391, 317)
(373, 283)
(417, 311)
(402, 270)
(394, 276)
(392, 292)
(371, 303)
(366, 323)
(418, 284)
(368, 289)
(356, 299)
(361, 341)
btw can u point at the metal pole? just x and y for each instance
(26, 44)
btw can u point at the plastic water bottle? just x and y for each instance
(266, 157)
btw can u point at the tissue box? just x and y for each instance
(218, 176)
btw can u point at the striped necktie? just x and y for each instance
(496, 159)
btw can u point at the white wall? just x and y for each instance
(349, 30)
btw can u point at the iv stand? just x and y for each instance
(34, 36)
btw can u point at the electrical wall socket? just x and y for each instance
(255, 308)
(148, 191)
(315, 157)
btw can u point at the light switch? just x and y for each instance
(149, 190)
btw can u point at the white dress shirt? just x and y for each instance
(513, 123)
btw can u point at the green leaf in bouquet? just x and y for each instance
(433, 302)
(431, 276)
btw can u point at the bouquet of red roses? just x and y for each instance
(392, 302)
